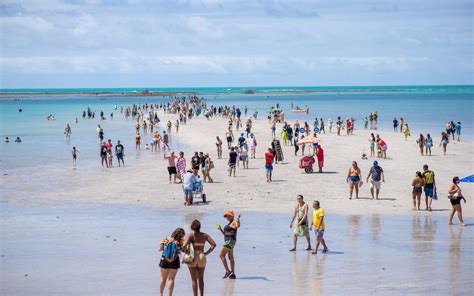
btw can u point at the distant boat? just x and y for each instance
(300, 110)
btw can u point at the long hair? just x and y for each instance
(178, 234)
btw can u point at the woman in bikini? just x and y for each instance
(354, 176)
(421, 143)
(417, 183)
(198, 239)
(455, 196)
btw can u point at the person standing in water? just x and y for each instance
(137, 141)
(354, 176)
(74, 155)
(198, 240)
(319, 226)
(455, 196)
(457, 129)
(119, 153)
(169, 262)
(300, 217)
(230, 238)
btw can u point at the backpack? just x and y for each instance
(429, 176)
(170, 253)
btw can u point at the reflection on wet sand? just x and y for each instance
(375, 223)
(353, 222)
(455, 257)
(300, 272)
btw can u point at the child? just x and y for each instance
(109, 158)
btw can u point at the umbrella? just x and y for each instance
(309, 140)
(468, 179)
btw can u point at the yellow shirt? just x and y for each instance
(317, 215)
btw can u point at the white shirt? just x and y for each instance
(251, 143)
(188, 180)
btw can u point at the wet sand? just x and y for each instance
(72, 248)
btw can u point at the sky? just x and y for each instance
(190, 43)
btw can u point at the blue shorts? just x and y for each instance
(268, 168)
(429, 192)
(319, 233)
(188, 193)
(119, 156)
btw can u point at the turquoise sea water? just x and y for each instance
(227, 90)
(425, 109)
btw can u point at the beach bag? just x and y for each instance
(170, 253)
(435, 194)
(188, 257)
(211, 165)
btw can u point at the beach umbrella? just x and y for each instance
(468, 179)
(309, 140)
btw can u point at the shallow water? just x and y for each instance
(77, 249)
(44, 141)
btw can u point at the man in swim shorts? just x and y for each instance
(171, 166)
(430, 186)
(319, 226)
(232, 161)
(119, 151)
(376, 176)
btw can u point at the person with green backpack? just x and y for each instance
(430, 187)
(169, 262)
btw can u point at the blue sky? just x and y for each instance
(157, 43)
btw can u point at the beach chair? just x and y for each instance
(198, 190)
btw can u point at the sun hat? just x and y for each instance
(229, 214)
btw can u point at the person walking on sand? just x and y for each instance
(428, 144)
(230, 239)
(372, 145)
(208, 166)
(406, 131)
(119, 153)
(354, 177)
(377, 177)
(253, 145)
(188, 182)
(229, 137)
(232, 161)
(171, 165)
(195, 162)
(74, 155)
(219, 147)
(421, 143)
(455, 196)
(269, 156)
(430, 186)
(418, 182)
(169, 262)
(300, 218)
(444, 141)
(181, 166)
(197, 240)
(320, 157)
(319, 226)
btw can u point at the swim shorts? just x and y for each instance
(172, 170)
(319, 233)
(268, 168)
(375, 184)
(429, 192)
